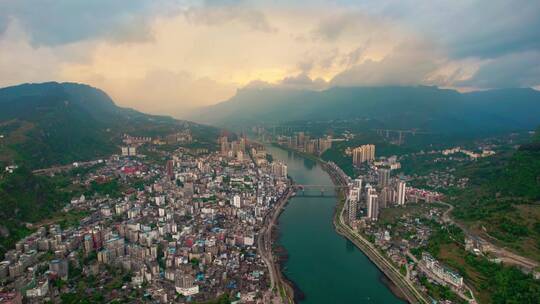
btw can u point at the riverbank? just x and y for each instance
(393, 279)
(401, 287)
(287, 288)
(281, 289)
(281, 253)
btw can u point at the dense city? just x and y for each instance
(188, 233)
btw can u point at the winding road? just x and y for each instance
(504, 254)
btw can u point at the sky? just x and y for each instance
(171, 56)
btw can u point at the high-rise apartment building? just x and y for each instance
(358, 183)
(129, 151)
(401, 187)
(384, 177)
(279, 169)
(386, 197)
(324, 144)
(373, 207)
(362, 154)
(224, 143)
(354, 193)
(369, 191)
(236, 201)
(170, 169)
(352, 208)
(242, 144)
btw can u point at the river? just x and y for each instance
(325, 266)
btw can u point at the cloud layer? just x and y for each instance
(171, 56)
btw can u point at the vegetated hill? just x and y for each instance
(503, 198)
(514, 174)
(55, 123)
(24, 198)
(425, 108)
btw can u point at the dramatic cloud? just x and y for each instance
(303, 81)
(513, 70)
(54, 22)
(409, 63)
(170, 56)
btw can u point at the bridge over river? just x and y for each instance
(313, 190)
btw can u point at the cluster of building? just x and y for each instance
(191, 230)
(135, 140)
(371, 198)
(131, 143)
(304, 143)
(279, 169)
(129, 150)
(363, 154)
(471, 154)
(442, 179)
(416, 195)
(182, 137)
(388, 162)
(444, 274)
(233, 149)
(376, 190)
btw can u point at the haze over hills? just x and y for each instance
(426, 108)
(56, 123)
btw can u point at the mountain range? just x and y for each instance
(393, 107)
(56, 123)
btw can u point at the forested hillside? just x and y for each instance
(430, 109)
(57, 123)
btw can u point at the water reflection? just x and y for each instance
(349, 246)
(309, 164)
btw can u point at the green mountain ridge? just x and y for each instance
(426, 108)
(56, 123)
